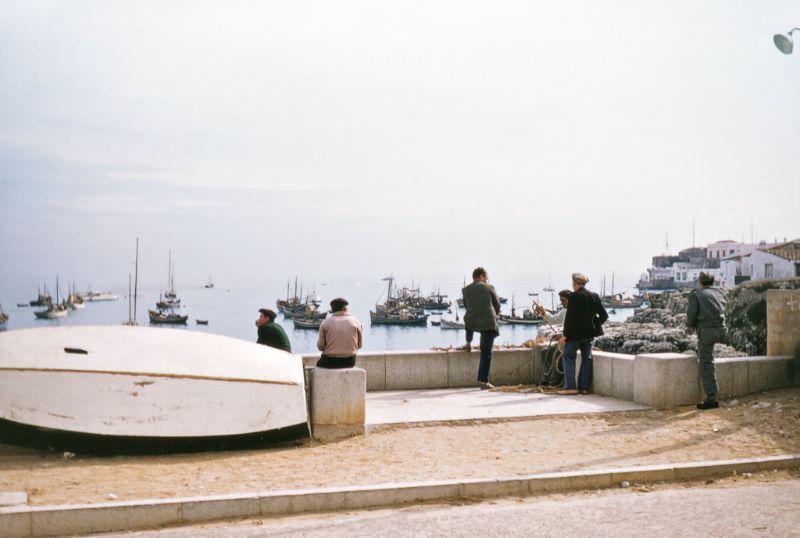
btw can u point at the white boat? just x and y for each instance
(123, 381)
(94, 296)
(53, 312)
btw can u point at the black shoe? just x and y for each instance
(708, 405)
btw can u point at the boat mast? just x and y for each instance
(136, 280)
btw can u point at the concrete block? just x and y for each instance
(85, 519)
(765, 373)
(783, 323)
(416, 370)
(623, 381)
(220, 507)
(13, 498)
(603, 374)
(665, 380)
(569, 481)
(462, 368)
(400, 493)
(732, 377)
(15, 522)
(493, 488)
(512, 367)
(299, 501)
(337, 407)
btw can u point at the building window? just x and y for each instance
(767, 270)
(797, 269)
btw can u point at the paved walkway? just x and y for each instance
(409, 406)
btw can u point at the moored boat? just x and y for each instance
(447, 324)
(159, 317)
(96, 296)
(307, 323)
(143, 383)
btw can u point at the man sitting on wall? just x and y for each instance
(340, 337)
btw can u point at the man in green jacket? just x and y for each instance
(483, 307)
(270, 333)
(706, 313)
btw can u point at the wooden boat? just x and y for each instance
(42, 298)
(201, 321)
(55, 310)
(307, 323)
(159, 317)
(399, 317)
(140, 383)
(436, 322)
(447, 324)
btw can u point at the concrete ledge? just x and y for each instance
(27, 521)
(665, 380)
(613, 374)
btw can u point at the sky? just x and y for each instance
(259, 140)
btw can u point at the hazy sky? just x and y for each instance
(258, 140)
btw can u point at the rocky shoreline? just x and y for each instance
(661, 327)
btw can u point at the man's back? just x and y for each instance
(340, 335)
(706, 308)
(584, 310)
(271, 334)
(482, 306)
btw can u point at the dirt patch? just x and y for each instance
(759, 425)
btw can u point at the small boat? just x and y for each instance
(42, 298)
(201, 321)
(159, 317)
(528, 317)
(55, 310)
(436, 322)
(23, 305)
(75, 301)
(145, 385)
(307, 323)
(447, 324)
(96, 296)
(209, 284)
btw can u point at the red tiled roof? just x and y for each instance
(788, 251)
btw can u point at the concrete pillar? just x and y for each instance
(783, 323)
(665, 380)
(337, 402)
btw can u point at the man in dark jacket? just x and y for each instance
(706, 313)
(270, 333)
(483, 307)
(584, 320)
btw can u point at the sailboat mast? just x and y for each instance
(130, 301)
(136, 280)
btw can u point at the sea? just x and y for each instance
(232, 311)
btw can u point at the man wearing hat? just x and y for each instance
(584, 320)
(706, 314)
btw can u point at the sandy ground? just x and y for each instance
(758, 425)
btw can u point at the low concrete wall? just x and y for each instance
(404, 370)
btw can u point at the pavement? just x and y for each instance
(419, 406)
(435, 405)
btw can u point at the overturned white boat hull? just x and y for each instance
(145, 382)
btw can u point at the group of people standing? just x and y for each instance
(342, 335)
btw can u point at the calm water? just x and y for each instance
(232, 312)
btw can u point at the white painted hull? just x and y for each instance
(145, 382)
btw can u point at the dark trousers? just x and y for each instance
(336, 362)
(586, 371)
(706, 338)
(487, 342)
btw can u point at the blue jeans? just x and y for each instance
(487, 342)
(569, 357)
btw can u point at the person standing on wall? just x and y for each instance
(706, 314)
(584, 320)
(483, 307)
(340, 337)
(270, 333)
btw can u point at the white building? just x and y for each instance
(778, 260)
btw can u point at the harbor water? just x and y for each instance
(232, 311)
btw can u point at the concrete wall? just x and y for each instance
(403, 370)
(783, 323)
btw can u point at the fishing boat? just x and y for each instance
(165, 303)
(435, 301)
(290, 303)
(307, 323)
(528, 317)
(620, 301)
(42, 298)
(396, 311)
(201, 321)
(447, 324)
(55, 310)
(3, 319)
(209, 284)
(75, 301)
(143, 384)
(160, 317)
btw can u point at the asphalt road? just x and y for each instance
(743, 508)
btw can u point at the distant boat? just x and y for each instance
(159, 317)
(396, 312)
(304, 323)
(210, 284)
(201, 321)
(54, 310)
(42, 298)
(447, 324)
(142, 384)
(23, 305)
(95, 296)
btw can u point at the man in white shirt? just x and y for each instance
(340, 337)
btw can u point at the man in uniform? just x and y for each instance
(706, 314)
